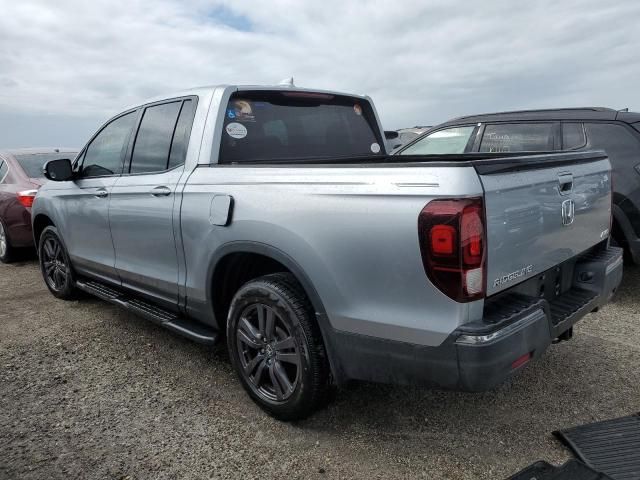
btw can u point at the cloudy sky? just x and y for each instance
(67, 65)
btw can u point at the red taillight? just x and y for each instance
(452, 243)
(472, 235)
(443, 239)
(26, 197)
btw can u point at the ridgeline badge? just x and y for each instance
(510, 277)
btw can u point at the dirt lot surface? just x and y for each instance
(90, 391)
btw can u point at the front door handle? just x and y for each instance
(161, 191)
(101, 193)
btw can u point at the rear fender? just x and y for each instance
(295, 268)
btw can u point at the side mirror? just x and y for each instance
(58, 170)
(391, 134)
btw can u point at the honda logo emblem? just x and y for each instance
(568, 212)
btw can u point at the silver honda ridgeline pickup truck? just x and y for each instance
(273, 217)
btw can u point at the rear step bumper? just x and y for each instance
(480, 355)
(191, 329)
(520, 328)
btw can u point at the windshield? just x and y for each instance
(33, 163)
(443, 142)
(297, 126)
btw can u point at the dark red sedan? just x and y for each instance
(20, 177)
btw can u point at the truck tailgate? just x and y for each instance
(542, 210)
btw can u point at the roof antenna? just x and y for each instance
(624, 109)
(287, 82)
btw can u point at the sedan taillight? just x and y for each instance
(453, 246)
(26, 197)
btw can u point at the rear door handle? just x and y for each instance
(101, 193)
(161, 191)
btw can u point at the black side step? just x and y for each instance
(191, 329)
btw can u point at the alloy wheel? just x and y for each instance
(54, 264)
(269, 354)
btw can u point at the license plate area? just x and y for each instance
(550, 284)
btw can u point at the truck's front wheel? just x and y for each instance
(276, 347)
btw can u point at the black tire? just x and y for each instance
(55, 265)
(627, 255)
(7, 252)
(258, 353)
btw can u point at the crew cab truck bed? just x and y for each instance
(286, 229)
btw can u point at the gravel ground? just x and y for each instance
(90, 391)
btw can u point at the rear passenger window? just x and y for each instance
(573, 136)
(104, 154)
(517, 137)
(153, 141)
(182, 134)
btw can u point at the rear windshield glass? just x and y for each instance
(32, 163)
(297, 126)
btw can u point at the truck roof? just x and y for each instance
(201, 91)
(580, 113)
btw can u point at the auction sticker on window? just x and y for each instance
(236, 130)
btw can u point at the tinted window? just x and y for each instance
(621, 146)
(182, 134)
(33, 163)
(104, 154)
(443, 142)
(297, 126)
(3, 170)
(518, 137)
(573, 136)
(151, 149)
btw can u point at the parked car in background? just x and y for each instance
(405, 135)
(20, 178)
(567, 129)
(273, 217)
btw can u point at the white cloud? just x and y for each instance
(422, 62)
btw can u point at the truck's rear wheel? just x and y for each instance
(55, 265)
(276, 347)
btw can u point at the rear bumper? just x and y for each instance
(482, 354)
(527, 326)
(19, 228)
